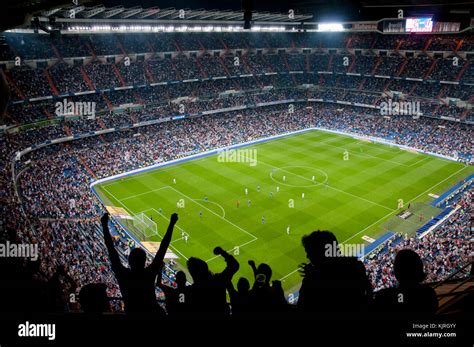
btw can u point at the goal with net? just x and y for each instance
(140, 225)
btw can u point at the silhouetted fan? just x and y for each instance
(137, 283)
(332, 283)
(411, 296)
(208, 292)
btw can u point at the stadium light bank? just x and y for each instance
(175, 28)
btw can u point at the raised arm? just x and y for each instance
(160, 254)
(254, 268)
(109, 243)
(232, 264)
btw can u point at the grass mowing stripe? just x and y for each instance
(372, 178)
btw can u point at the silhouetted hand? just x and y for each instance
(218, 251)
(105, 220)
(304, 268)
(174, 218)
(251, 263)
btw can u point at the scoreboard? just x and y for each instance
(419, 25)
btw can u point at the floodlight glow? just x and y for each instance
(330, 27)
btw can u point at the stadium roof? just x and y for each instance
(170, 13)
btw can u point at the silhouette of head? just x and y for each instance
(93, 298)
(243, 285)
(408, 267)
(266, 270)
(316, 243)
(181, 279)
(198, 269)
(137, 259)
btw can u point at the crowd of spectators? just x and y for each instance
(446, 248)
(55, 206)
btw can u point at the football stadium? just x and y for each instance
(232, 160)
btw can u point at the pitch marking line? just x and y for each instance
(333, 188)
(215, 203)
(131, 213)
(223, 218)
(350, 238)
(177, 226)
(363, 154)
(148, 192)
(254, 238)
(208, 260)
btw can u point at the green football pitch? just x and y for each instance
(351, 187)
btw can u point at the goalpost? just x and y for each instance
(146, 224)
(142, 226)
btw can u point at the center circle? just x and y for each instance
(310, 184)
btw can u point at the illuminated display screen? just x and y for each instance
(419, 25)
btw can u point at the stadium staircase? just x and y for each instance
(87, 79)
(148, 73)
(351, 67)
(122, 48)
(442, 92)
(463, 70)
(221, 61)
(56, 51)
(91, 49)
(176, 70)
(455, 293)
(177, 46)
(224, 44)
(88, 169)
(133, 117)
(399, 44)
(50, 81)
(293, 78)
(107, 101)
(201, 68)
(427, 44)
(150, 47)
(48, 114)
(458, 46)
(412, 90)
(348, 43)
(12, 83)
(119, 75)
(265, 62)
(376, 66)
(361, 84)
(331, 57)
(402, 68)
(101, 123)
(431, 68)
(293, 46)
(203, 49)
(374, 43)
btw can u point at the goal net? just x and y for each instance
(141, 225)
